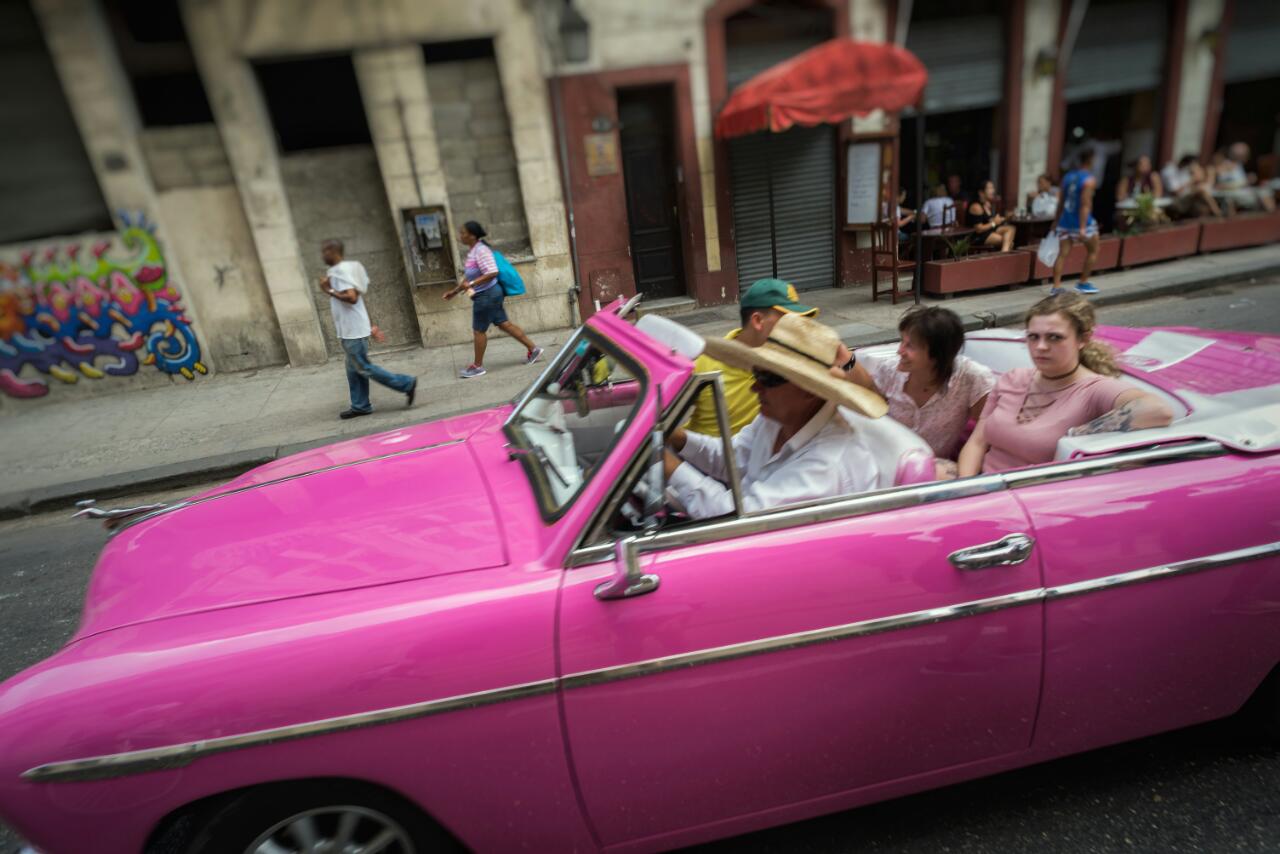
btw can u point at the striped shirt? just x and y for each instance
(479, 263)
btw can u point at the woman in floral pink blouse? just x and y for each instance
(930, 387)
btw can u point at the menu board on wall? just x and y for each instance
(862, 170)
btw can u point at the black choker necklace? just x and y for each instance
(1062, 376)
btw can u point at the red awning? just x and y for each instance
(825, 84)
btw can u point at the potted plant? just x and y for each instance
(1148, 236)
(966, 271)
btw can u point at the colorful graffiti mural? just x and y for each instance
(63, 310)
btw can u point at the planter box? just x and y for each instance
(1108, 259)
(976, 272)
(1243, 230)
(1160, 244)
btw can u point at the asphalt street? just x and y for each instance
(1209, 788)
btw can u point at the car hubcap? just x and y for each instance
(334, 830)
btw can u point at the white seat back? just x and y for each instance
(890, 445)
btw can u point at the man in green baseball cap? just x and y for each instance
(774, 294)
(761, 305)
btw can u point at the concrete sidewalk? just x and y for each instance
(110, 445)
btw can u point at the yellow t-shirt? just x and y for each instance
(743, 403)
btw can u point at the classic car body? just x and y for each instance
(501, 631)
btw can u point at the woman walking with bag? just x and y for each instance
(480, 280)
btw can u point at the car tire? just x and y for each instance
(295, 816)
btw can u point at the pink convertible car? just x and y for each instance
(492, 631)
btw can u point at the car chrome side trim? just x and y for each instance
(179, 755)
(1184, 567)
(239, 489)
(800, 639)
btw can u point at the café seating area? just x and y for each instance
(955, 261)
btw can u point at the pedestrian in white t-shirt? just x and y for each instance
(346, 283)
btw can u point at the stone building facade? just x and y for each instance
(301, 121)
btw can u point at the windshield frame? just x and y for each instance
(538, 481)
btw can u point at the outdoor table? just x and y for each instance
(936, 237)
(1029, 228)
(1132, 204)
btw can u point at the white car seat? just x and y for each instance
(900, 455)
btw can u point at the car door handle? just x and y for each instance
(1006, 551)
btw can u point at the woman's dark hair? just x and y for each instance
(941, 332)
(476, 229)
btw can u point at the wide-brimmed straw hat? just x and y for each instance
(802, 350)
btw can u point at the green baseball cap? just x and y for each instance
(775, 293)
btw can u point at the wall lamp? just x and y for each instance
(1045, 63)
(575, 34)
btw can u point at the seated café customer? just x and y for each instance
(902, 218)
(1071, 391)
(939, 210)
(991, 226)
(760, 306)
(1140, 179)
(930, 387)
(798, 448)
(1194, 195)
(1044, 201)
(1231, 178)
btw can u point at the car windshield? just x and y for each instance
(566, 427)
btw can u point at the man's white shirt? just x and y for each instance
(939, 211)
(351, 321)
(823, 460)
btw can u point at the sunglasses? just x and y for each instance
(767, 379)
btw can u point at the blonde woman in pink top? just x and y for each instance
(1072, 390)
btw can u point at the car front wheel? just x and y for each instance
(319, 818)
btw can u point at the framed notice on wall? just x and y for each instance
(602, 153)
(867, 179)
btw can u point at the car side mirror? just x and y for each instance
(628, 580)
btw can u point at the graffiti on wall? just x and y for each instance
(104, 310)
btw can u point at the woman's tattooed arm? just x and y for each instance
(1138, 412)
(1118, 420)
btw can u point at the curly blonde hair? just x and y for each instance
(1095, 356)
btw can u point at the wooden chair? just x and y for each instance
(884, 259)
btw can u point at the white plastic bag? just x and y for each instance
(1048, 251)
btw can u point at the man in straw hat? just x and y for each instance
(760, 306)
(798, 448)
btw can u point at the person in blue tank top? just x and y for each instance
(1075, 222)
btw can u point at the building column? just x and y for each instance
(869, 20)
(250, 144)
(1039, 36)
(393, 87)
(1198, 61)
(526, 95)
(101, 100)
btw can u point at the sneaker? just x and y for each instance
(1085, 288)
(409, 395)
(1053, 292)
(472, 371)
(533, 355)
(354, 413)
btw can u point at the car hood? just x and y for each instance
(402, 505)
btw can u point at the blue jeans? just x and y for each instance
(360, 370)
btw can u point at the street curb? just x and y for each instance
(229, 465)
